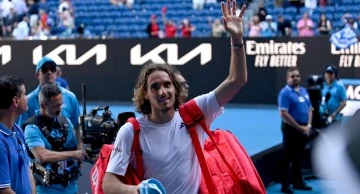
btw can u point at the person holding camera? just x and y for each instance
(52, 144)
(167, 150)
(46, 73)
(333, 95)
(15, 175)
(296, 114)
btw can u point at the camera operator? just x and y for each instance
(50, 138)
(333, 95)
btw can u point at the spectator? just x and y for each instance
(153, 28)
(66, 5)
(5, 7)
(296, 115)
(198, 4)
(217, 29)
(2, 29)
(262, 12)
(311, 5)
(324, 26)
(128, 3)
(20, 8)
(43, 5)
(254, 27)
(305, 26)
(67, 23)
(60, 80)
(297, 4)
(268, 27)
(21, 30)
(186, 28)
(10, 20)
(183, 84)
(170, 27)
(284, 26)
(33, 12)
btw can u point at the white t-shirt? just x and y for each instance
(167, 151)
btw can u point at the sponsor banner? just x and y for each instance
(110, 67)
(353, 95)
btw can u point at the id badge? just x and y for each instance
(301, 99)
(62, 166)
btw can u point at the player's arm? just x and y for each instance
(238, 72)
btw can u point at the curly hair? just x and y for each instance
(143, 105)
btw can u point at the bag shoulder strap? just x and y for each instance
(191, 115)
(135, 148)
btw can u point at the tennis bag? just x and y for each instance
(132, 177)
(226, 167)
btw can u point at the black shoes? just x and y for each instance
(287, 190)
(304, 187)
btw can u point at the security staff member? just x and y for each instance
(50, 138)
(333, 95)
(296, 114)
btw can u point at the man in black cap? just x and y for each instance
(334, 95)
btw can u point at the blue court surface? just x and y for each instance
(257, 127)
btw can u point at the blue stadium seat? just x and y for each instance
(277, 11)
(290, 10)
(347, 1)
(288, 17)
(341, 8)
(329, 8)
(353, 8)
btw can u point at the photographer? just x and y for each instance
(333, 95)
(50, 138)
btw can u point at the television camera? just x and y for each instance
(99, 129)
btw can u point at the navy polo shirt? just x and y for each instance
(297, 104)
(14, 160)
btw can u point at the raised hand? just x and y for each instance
(233, 24)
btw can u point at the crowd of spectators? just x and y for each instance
(34, 19)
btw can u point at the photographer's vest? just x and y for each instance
(46, 125)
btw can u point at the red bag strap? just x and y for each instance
(135, 148)
(192, 115)
(190, 123)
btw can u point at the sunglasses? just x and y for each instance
(293, 76)
(46, 69)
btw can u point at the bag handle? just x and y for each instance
(135, 148)
(192, 115)
(191, 126)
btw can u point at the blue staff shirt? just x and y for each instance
(297, 104)
(14, 161)
(70, 108)
(337, 95)
(35, 138)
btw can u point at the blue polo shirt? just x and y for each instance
(70, 108)
(338, 94)
(14, 160)
(297, 104)
(35, 138)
